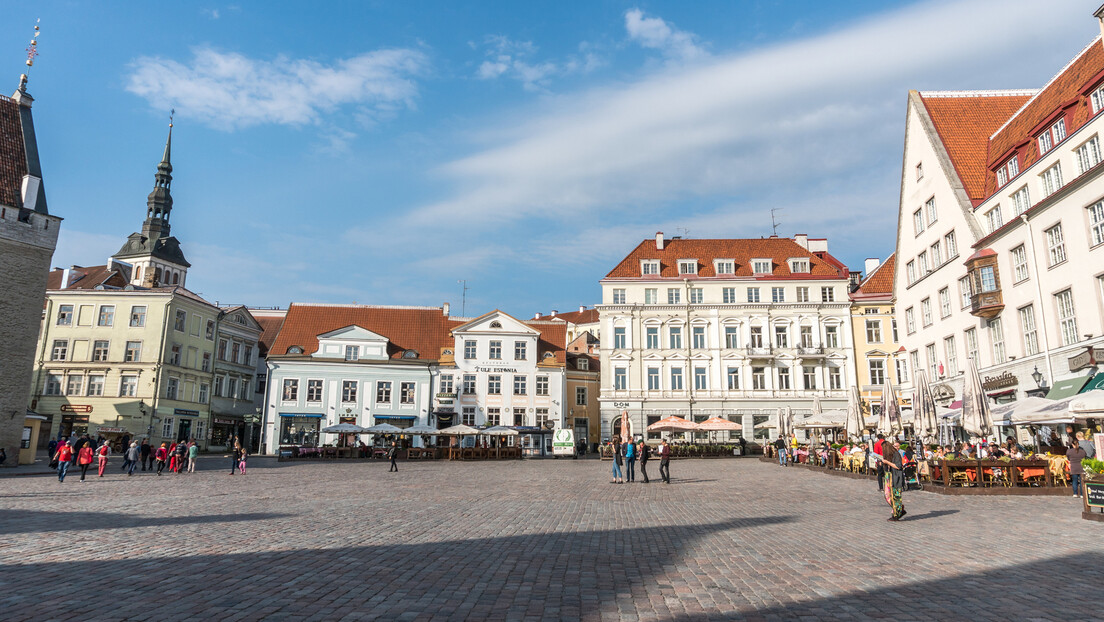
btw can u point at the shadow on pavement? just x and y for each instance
(932, 514)
(37, 521)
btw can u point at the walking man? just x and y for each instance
(645, 453)
(392, 454)
(131, 458)
(147, 454)
(665, 462)
(64, 457)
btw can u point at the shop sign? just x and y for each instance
(1088, 358)
(183, 412)
(1094, 494)
(563, 442)
(107, 430)
(220, 421)
(76, 408)
(496, 370)
(1003, 381)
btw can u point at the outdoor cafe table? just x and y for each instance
(1019, 472)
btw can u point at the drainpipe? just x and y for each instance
(157, 367)
(42, 353)
(1039, 296)
(689, 355)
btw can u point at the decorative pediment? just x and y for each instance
(352, 333)
(495, 323)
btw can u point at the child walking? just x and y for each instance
(241, 463)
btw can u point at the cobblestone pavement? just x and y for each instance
(551, 539)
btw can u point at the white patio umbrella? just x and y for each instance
(499, 430)
(826, 420)
(976, 417)
(854, 421)
(421, 429)
(1088, 404)
(926, 421)
(343, 428)
(383, 428)
(458, 430)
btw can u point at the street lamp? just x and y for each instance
(251, 418)
(142, 409)
(1037, 376)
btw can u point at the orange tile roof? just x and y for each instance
(422, 329)
(742, 251)
(13, 157)
(86, 278)
(1065, 95)
(586, 316)
(880, 281)
(965, 121)
(270, 328)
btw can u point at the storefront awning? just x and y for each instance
(529, 429)
(1097, 382)
(1067, 388)
(315, 415)
(395, 417)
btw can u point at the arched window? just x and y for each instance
(157, 277)
(496, 324)
(176, 278)
(295, 350)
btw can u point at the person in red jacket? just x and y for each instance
(64, 457)
(172, 457)
(162, 455)
(880, 469)
(101, 455)
(84, 459)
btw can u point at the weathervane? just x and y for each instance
(172, 113)
(32, 52)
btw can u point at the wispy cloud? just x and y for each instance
(227, 90)
(508, 58)
(657, 34)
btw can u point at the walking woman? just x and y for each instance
(235, 457)
(894, 476)
(644, 452)
(193, 453)
(630, 461)
(133, 454)
(84, 458)
(102, 454)
(617, 461)
(161, 455)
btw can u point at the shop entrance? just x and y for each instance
(185, 430)
(73, 424)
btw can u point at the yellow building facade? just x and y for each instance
(878, 355)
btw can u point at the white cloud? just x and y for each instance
(228, 90)
(654, 33)
(212, 13)
(513, 59)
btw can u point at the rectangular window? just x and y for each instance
(468, 415)
(291, 390)
(172, 387)
(926, 312)
(910, 321)
(406, 393)
(651, 337)
(902, 370)
(799, 266)
(74, 385)
(107, 315)
(726, 266)
(893, 327)
(808, 378)
(699, 337)
(877, 371)
(988, 279)
(181, 321)
(778, 294)
(761, 266)
(383, 391)
(676, 379)
(674, 337)
(469, 349)
(784, 378)
(910, 269)
(99, 350)
(936, 251)
(314, 391)
(1002, 177)
(933, 363)
(521, 385)
(1097, 99)
(972, 345)
(128, 386)
(521, 350)
(348, 391)
(728, 295)
(167, 424)
(964, 291)
(918, 222)
(206, 361)
(247, 355)
(618, 296)
(835, 379)
(932, 216)
(1046, 142)
(446, 384)
(218, 386)
(733, 377)
(232, 388)
(222, 349)
(1052, 179)
(803, 294)
(65, 315)
(688, 267)
(951, 352)
(993, 220)
(758, 378)
(806, 336)
(732, 337)
(828, 294)
(542, 385)
(944, 302)
(494, 416)
(781, 337)
(1019, 264)
(620, 379)
(700, 379)
(1021, 201)
(210, 330)
(873, 331)
(619, 337)
(653, 379)
(696, 295)
(922, 262)
(756, 340)
(996, 337)
(133, 352)
(174, 354)
(1056, 246)
(753, 294)
(1030, 335)
(831, 336)
(53, 385)
(1096, 222)
(673, 295)
(494, 384)
(1088, 154)
(469, 384)
(580, 396)
(919, 171)
(352, 353)
(519, 416)
(235, 353)
(1067, 320)
(495, 351)
(542, 417)
(651, 296)
(649, 267)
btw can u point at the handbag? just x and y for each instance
(53, 463)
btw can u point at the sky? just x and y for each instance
(383, 152)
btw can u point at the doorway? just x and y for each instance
(185, 430)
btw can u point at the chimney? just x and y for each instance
(445, 309)
(65, 274)
(553, 314)
(582, 308)
(1100, 18)
(871, 265)
(537, 315)
(802, 240)
(659, 240)
(148, 277)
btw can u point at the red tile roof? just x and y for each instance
(965, 121)
(879, 282)
(742, 251)
(13, 157)
(421, 329)
(270, 328)
(1066, 95)
(86, 278)
(586, 316)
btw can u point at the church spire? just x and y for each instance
(159, 203)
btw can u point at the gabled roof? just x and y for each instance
(471, 324)
(13, 155)
(553, 338)
(86, 278)
(270, 328)
(821, 264)
(422, 329)
(964, 121)
(586, 316)
(879, 282)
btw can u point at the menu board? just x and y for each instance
(1094, 494)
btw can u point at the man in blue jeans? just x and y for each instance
(630, 461)
(780, 447)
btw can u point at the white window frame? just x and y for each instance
(1020, 272)
(1056, 246)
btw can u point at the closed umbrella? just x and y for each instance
(783, 431)
(889, 420)
(855, 423)
(624, 426)
(976, 418)
(926, 423)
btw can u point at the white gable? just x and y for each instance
(495, 323)
(337, 343)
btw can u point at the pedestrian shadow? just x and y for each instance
(931, 514)
(38, 521)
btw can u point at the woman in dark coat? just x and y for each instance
(894, 478)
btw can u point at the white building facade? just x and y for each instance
(729, 328)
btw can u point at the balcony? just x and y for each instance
(986, 300)
(761, 352)
(987, 305)
(811, 351)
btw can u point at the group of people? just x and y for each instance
(83, 455)
(178, 457)
(626, 455)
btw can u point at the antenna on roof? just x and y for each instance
(774, 223)
(685, 232)
(463, 298)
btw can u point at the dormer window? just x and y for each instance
(1052, 136)
(761, 266)
(800, 265)
(1097, 99)
(410, 354)
(295, 350)
(352, 353)
(649, 268)
(582, 364)
(725, 266)
(1008, 170)
(688, 266)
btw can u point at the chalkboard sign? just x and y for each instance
(1094, 494)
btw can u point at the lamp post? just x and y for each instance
(149, 429)
(251, 419)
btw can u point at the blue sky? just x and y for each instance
(378, 152)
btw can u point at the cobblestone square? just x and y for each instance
(535, 539)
